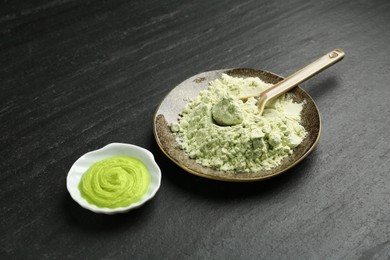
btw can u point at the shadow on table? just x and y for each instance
(319, 90)
(98, 223)
(219, 190)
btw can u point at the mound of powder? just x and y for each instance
(257, 143)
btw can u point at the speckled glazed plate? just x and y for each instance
(175, 101)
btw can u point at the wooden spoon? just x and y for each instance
(297, 78)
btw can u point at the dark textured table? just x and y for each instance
(77, 75)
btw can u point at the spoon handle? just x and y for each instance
(299, 76)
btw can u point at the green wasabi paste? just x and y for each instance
(242, 140)
(115, 182)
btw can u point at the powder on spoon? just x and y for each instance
(254, 144)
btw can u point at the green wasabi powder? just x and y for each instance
(115, 182)
(252, 142)
(227, 111)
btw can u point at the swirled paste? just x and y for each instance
(115, 182)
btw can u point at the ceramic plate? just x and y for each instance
(175, 101)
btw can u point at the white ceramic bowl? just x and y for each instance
(114, 149)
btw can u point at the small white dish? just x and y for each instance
(114, 149)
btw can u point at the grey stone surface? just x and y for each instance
(77, 75)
